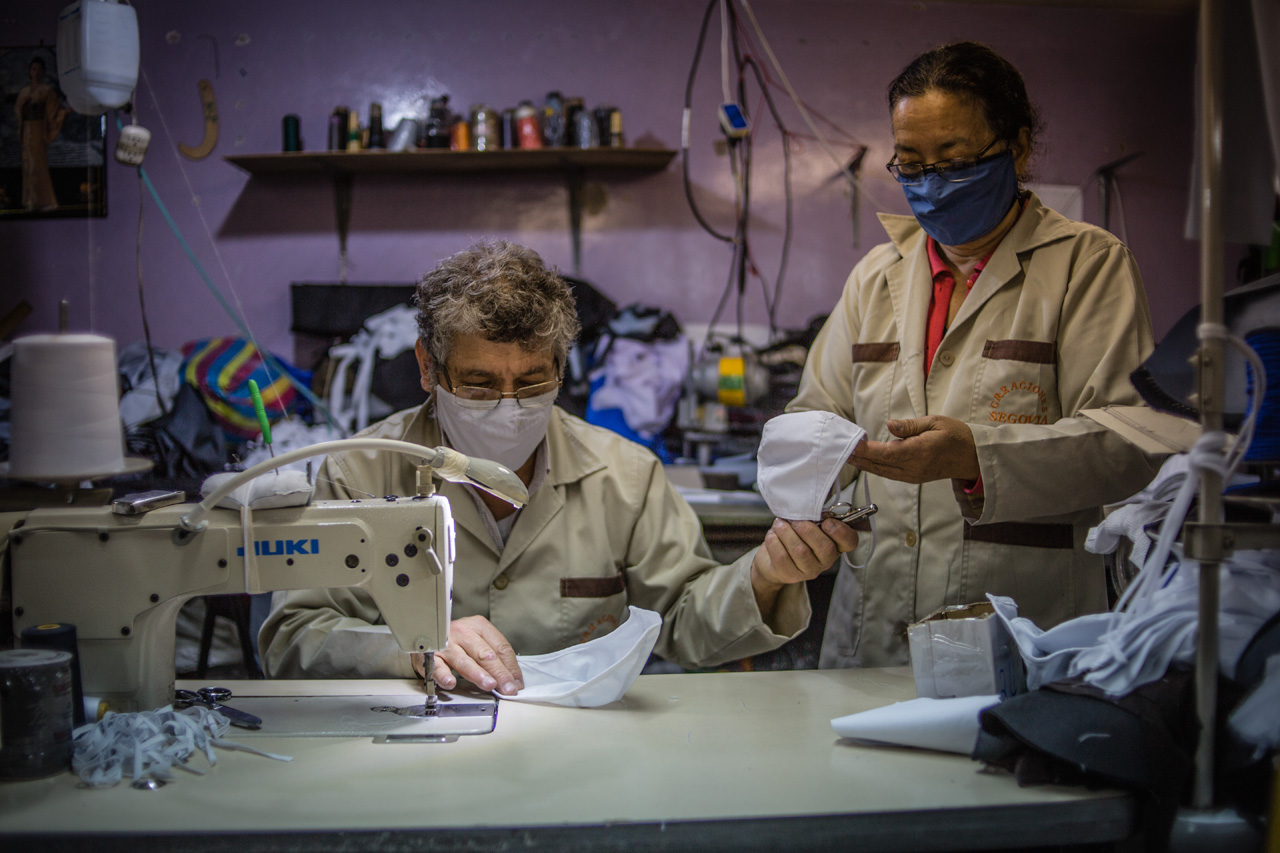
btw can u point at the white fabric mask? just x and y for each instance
(946, 725)
(593, 673)
(801, 455)
(507, 433)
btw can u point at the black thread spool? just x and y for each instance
(35, 713)
(60, 637)
(292, 133)
(338, 129)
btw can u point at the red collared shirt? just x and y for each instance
(944, 284)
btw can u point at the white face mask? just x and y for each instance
(801, 455)
(593, 673)
(507, 433)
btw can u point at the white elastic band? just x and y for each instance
(871, 519)
(150, 744)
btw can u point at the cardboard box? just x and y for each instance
(964, 650)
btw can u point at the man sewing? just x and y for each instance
(603, 528)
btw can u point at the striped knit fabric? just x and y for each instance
(220, 369)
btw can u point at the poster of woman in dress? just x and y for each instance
(51, 159)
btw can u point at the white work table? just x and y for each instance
(739, 761)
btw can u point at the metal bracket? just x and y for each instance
(1210, 543)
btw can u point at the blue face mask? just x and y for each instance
(959, 213)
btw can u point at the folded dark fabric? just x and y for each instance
(1071, 733)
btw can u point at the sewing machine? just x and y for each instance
(121, 578)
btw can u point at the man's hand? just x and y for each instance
(795, 551)
(930, 448)
(479, 653)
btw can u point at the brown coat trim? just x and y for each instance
(1018, 533)
(1035, 352)
(876, 352)
(592, 587)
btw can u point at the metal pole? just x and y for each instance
(1211, 383)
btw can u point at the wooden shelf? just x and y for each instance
(440, 161)
(342, 166)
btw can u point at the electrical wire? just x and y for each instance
(724, 52)
(142, 305)
(684, 130)
(772, 303)
(854, 181)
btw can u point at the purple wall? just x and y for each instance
(1108, 81)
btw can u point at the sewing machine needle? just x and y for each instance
(429, 683)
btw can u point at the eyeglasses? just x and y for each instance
(955, 170)
(489, 398)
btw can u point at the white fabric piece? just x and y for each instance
(507, 433)
(1255, 720)
(148, 744)
(642, 380)
(1146, 507)
(1142, 644)
(594, 673)
(801, 454)
(1121, 651)
(945, 725)
(384, 335)
(276, 489)
(1048, 654)
(1128, 522)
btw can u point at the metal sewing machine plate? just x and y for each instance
(386, 718)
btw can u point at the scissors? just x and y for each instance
(847, 512)
(212, 698)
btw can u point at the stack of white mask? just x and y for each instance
(594, 673)
(801, 455)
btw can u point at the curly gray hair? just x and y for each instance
(500, 291)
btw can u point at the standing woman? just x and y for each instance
(967, 346)
(40, 116)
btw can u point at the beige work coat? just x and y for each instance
(1054, 325)
(605, 530)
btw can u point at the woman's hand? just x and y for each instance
(929, 448)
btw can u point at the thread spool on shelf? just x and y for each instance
(291, 128)
(65, 415)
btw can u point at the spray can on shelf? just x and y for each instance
(338, 129)
(436, 129)
(460, 135)
(353, 131)
(377, 136)
(508, 129)
(553, 127)
(585, 130)
(486, 132)
(610, 136)
(528, 134)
